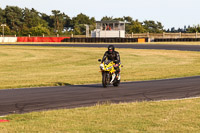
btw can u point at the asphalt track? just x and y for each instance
(46, 98)
(134, 46)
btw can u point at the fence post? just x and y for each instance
(163, 34)
(180, 35)
(149, 39)
(196, 34)
(132, 35)
(148, 34)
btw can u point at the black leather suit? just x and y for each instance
(114, 56)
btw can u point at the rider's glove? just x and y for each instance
(102, 66)
(116, 65)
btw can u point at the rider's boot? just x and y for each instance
(113, 77)
(119, 77)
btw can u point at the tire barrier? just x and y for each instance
(104, 40)
(176, 39)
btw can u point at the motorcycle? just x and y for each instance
(109, 75)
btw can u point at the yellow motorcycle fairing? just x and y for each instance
(109, 67)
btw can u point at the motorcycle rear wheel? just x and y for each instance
(116, 83)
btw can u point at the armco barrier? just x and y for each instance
(41, 39)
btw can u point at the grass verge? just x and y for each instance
(33, 66)
(163, 116)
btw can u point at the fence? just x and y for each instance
(135, 35)
(164, 35)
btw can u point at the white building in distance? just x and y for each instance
(112, 29)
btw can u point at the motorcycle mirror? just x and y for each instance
(99, 60)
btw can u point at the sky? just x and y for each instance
(171, 13)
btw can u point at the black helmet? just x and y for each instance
(111, 48)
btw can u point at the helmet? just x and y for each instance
(111, 48)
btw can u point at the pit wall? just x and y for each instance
(8, 39)
(41, 39)
(32, 39)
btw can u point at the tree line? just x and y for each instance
(24, 22)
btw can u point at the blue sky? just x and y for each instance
(171, 13)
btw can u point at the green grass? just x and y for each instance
(22, 66)
(29, 66)
(165, 116)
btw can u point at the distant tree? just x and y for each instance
(2, 16)
(25, 31)
(39, 31)
(7, 30)
(135, 27)
(119, 19)
(59, 21)
(13, 15)
(106, 18)
(173, 29)
(26, 21)
(92, 23)
(153, 27)
(193, 29)
(79, 21)
(67, 21)
(128, 18)
(79, 29)
(31, 18)
(48, 19)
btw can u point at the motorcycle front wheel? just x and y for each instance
(105, 79)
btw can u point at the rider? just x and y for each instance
(113, 55)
